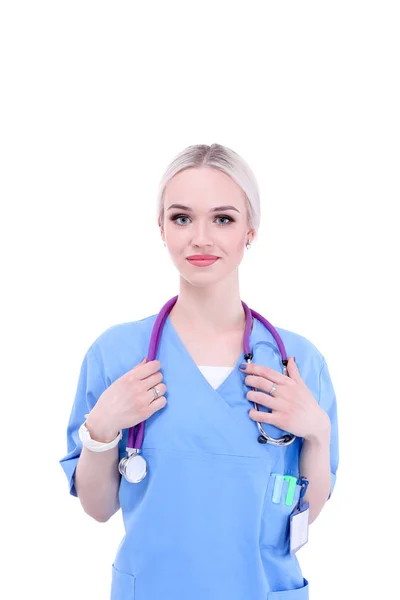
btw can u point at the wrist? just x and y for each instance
(99, 431)
(322, 435)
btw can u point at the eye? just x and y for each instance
(175, 218)
(230, 220)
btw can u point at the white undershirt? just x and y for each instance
(215, 375)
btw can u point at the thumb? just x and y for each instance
(292, 368)
(142, 361)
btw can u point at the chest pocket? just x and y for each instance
(281, 498)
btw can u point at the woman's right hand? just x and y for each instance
(129, 400)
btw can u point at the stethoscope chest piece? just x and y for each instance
(133, 467)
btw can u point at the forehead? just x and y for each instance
(205, 186)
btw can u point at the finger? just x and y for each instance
(293, 370)
(150, 394)
(264, 400)
(151, 381)
(261, 383)
(264, 417)
(141, 362)
(156, 405)
(267, 372)
(144, 370)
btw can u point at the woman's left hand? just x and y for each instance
(295, 409)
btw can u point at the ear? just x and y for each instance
(251, 235)
(161, 230)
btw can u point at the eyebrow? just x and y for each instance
(216, 209)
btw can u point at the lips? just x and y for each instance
(202, 262)
(202, 257)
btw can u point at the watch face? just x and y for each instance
(135, 469)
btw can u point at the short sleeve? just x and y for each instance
(327, 401)
(90, 387)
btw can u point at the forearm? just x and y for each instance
(315, 465)
(97, 478)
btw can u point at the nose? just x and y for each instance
(202, 236)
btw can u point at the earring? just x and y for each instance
(248, 245)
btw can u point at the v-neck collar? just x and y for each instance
(168, 323)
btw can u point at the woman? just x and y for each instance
(208, 519)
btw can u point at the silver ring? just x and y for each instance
(156, 393)
(271, 391)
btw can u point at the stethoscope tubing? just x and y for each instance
(135, 442)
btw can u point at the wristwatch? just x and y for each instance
(94, 445)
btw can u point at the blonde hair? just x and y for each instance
(224, 159)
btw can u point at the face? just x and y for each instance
(199, 229)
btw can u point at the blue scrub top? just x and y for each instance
(202, 524)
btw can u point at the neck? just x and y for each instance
(213, 308)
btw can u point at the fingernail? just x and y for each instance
(243, 366)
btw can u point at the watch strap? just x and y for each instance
(94, 445)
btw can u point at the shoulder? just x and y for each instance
(298, 341)
(123, 342)
(121, 331)
(302, 348)
(309, 359)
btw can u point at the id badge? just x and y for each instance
(299, 522)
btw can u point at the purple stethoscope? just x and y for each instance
(134, 467)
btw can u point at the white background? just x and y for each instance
(96, 100)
